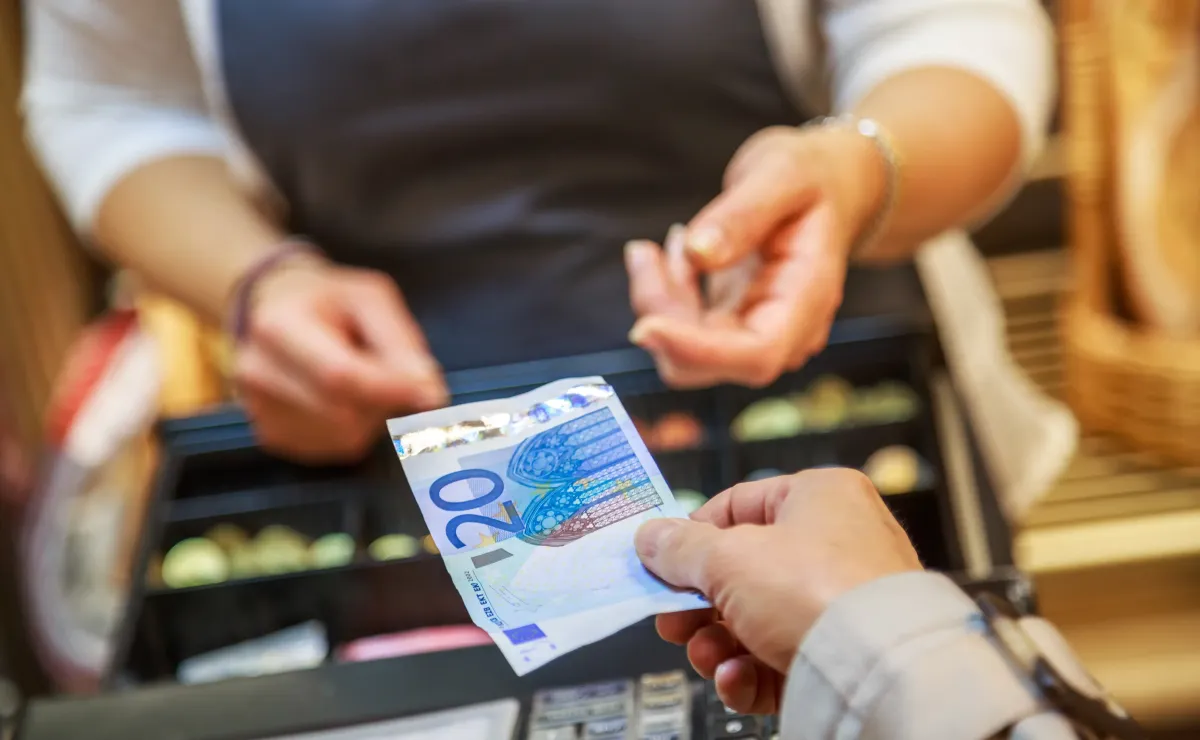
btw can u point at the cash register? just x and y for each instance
(631, 685)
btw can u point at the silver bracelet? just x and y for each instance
(871, 129)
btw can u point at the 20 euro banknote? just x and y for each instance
(533, 502)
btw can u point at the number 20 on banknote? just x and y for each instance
(514, 525)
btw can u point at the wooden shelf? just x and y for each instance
(1137, 627)
(1114, 547)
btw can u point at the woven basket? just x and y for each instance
(1122, 378)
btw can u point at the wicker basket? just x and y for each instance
(1121, 378)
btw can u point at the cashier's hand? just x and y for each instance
(775, 244)
(330, 353)
(771, 556)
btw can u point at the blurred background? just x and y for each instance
(106, 473)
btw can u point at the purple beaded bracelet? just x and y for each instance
(240, 314)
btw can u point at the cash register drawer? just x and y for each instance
(213, 474)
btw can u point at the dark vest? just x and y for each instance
(494, 156)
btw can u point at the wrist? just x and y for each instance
(870, 173)
(288, 256)
(866, 172)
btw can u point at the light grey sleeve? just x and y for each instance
(908, 657)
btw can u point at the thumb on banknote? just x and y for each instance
(679, 551)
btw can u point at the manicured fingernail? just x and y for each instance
(638, 331)
(636, 251)
(706, 242)
(432, 391)
(642, 337)
(432, 398)
(676, 237)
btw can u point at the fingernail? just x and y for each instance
(434, 393)
(737, 694)
(706, 241)
(676, 236)
(642, 337)
(430, 400)
(635, 251)
(650, 536)
(724, 672)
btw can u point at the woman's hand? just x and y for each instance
(771, 556)
(330, 353)
(775, 244)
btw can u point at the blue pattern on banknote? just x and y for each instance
(568, 481)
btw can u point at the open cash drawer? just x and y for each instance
(212, 473)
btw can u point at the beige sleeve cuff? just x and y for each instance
(904, 658)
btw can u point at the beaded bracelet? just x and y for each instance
(239, 313)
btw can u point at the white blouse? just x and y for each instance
(114, 84)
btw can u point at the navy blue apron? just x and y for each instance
(494, 156)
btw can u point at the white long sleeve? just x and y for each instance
(1009, 43)
(113, 84)
(110, 85)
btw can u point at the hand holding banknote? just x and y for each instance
(771, 555)
(533, 502)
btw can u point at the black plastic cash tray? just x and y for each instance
(335, 696)
(212, 472)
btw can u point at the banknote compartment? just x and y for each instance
(380, 598)
(361, 601)
(178, 624)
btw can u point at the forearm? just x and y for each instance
(958, 142)
(183, 225)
